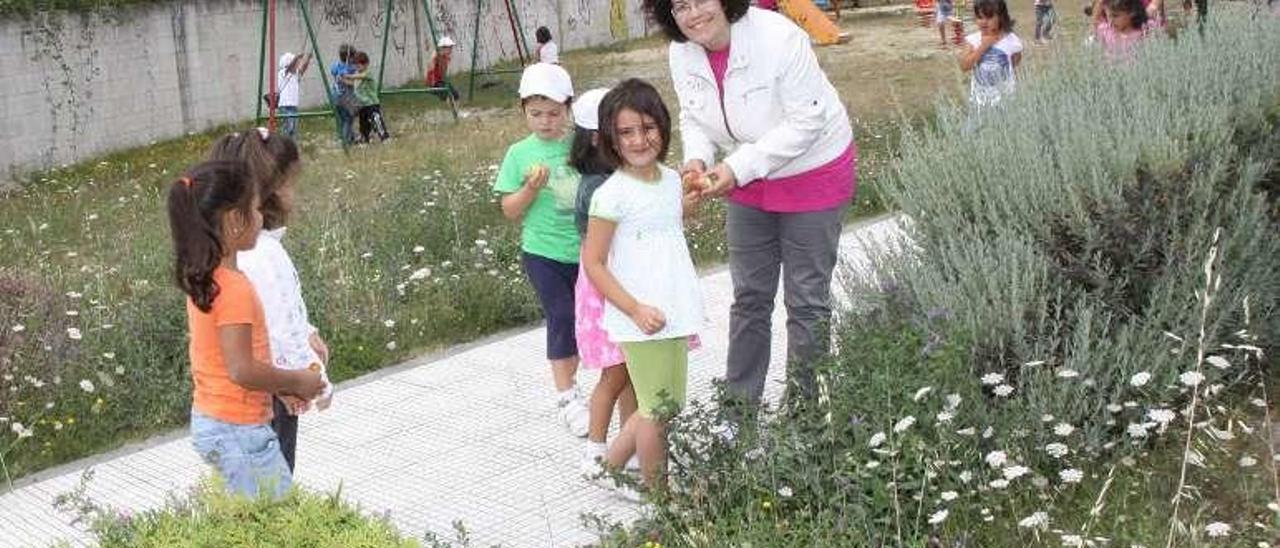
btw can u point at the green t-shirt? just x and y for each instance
(367, 92)
(549, 229)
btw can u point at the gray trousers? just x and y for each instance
(803, 246)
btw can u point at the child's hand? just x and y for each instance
(308, 385)
(692, 166)
(537, 176)
(722, 180)
(650, 320)
(296, 405)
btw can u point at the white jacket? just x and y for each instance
(275, 279)
(781, 116)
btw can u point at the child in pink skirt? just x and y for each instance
(595, 351)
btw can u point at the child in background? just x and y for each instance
(343, 92)
(366, 89)
(942, 12)
(436, 75)
(636, 255)
(993, 54)
(538, 189)
(595, 350)
(213, 214)
(548, 51)
(1045, 16)
(289, 88)
(1119, 25)
(274, 162)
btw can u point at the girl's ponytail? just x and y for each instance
(197, 202)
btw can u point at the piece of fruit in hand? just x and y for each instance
(695, 182)
(538, 171)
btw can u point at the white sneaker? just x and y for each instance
(625, 492)
(575, 415)
(593, 460)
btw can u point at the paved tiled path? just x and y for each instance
(469, 435)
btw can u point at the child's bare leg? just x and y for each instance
(624, 445)
(651, 446)
(626, 403)
(564, 371)
(612, 382)
(942, 33)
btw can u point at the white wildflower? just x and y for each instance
(1063, 429)
(938, 517)
(1003, 390)
(1000, 483)
(992, 378)
(904, 424)
(1217, 529)
(86, 385)
(944, 416)
(1039, 481)
(391, 345)
(996, 459)
(1015, 472)
(1218, 361)
(1046, 418)
(967, 431)
(785, 492)
(389, 323)
(1034, 521)
(1137, 430)
(1247, 461)
(481, 243)
(420, 273)
(18, 328)
(1033, 363)
(1114, 407)
(876, 439)
(921, 393)
(418, 249)
(1068, 374)
(21, 431)
(73, 333)
(1191, 378)
(966, 476)
(988, 432)
(1074, 541)
(1162, 416)
(1057, 450)
(948, 496)
(1070, 475)
(953, 401)
(1140, 378)
(109, 355)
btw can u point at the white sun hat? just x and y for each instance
(548, 80)
(445, 42)
(586, 109)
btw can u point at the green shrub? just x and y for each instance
(210, 516)
(1069, 346)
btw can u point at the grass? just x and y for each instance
(400, 246)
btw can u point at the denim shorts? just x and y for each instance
(246, 456)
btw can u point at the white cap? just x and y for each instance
(286, 58)
(445, 42)
(586, 109)
(548, 80)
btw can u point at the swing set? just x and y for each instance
(267, 60)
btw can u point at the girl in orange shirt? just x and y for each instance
(213, 213)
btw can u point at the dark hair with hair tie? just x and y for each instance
(197, 202)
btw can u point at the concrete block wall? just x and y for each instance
(79, 85)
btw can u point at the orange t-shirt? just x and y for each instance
(214, 393)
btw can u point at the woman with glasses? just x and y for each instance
(762, 125)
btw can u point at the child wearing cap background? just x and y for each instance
(538, 190)
(440, 68)
(287, 86)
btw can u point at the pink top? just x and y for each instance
(823, 187)
(1116, 44)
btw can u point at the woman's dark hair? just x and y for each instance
(659, 11)
(271, 159)
(584, 155)
(637, 95)
(1137, 13)
(543, 35)
(994, 8)
(197, 202)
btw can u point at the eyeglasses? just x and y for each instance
(685, 8)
